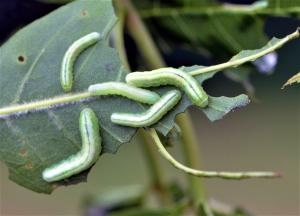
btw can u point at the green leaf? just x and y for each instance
(230, 32)
(201, 27)
(214, 8)
(218, 106)
(29, 71)
(278, 4)
(292, 80)
(248, 55)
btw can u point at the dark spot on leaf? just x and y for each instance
(23, 152)
(29, 165)
(109, 67)
(21, 59)
(84, 13)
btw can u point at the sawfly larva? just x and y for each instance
(123, 89)
(66, 74)
(150, 116)
(171, 76)
(86, 157)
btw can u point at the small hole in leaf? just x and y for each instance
(21, 59)
(84, 13)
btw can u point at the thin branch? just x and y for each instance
(142, 37)
(191, 153)
(153, 57)
(119, 36)
(208, 174)
(48, 103)
(156, 171)
(248, 58)
(217, 10)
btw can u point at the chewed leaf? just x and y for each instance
(217, 109)
(220, 106)
(292, 80)
(272, 45)
(32, 140)
(30, 72)
(246, 56)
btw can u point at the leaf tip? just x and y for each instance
(292, 80)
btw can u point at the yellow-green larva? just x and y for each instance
(152, 115)
(86, 157)
(123, 89)
(66, 74)
(171, 76)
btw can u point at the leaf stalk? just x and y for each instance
(208, 174)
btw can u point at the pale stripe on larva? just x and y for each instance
(152, 115)
(123, 89)
(170, 76)
(86, 157)
(66, 75)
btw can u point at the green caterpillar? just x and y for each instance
(170, 76)
(89, 124)
(152, 115)
(86, 157)
(66, 75)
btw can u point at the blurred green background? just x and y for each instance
(265, 135)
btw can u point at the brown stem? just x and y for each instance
(153, 57)
(148, 148)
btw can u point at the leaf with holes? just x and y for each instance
(29, 71)
(29, 77)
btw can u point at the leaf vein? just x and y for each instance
(38, 57)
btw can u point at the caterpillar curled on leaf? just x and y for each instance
(123, 89)
(150, 116)
(86, 157)
(171, 76)
(66, 74)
